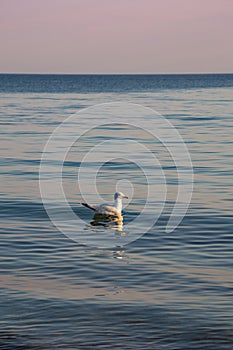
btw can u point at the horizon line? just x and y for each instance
(46, 73)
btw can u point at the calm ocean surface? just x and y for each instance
(162, 291)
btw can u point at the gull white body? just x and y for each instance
(108, 209)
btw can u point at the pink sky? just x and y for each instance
(116, 36)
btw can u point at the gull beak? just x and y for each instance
(126, 197)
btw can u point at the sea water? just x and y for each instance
(163, 290)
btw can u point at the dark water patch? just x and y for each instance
(95, 325)
(52, 83)
(22, 209)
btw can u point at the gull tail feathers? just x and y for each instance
(88, 206)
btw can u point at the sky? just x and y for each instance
(116, 36)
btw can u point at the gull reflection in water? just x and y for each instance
(109, 222)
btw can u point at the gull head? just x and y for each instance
(119, 195)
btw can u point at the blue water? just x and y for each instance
(68, 83)
(162, 291)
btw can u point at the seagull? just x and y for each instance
(107, 209)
